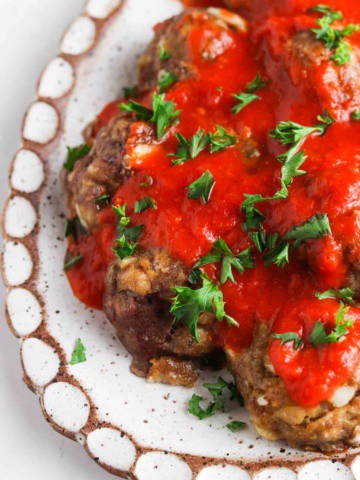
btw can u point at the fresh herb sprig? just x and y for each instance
(163, 112)
(74, 154)
(144, 204)
(127, 237)
(222, 253)
(216, 390)
(78, 354)
(189, 304)
(334, 37)
(189, 149)
(346, 295)
(319, 336)
(202, 187)
(248, 96)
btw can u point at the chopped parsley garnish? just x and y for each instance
(103, 199)
(126, 243)
(164, 54)
(247, 97)
(216, 390)
(291, 134)
(190, 149)
(202, 187)
(332, 37)
(188, 305)
(70, 262)
(316, 227)
(319, 336)
(341, 329)
(278, 255)
(75, 154)
(355, 115)
(144, 204)
(166, 79)
(222, 253)
(346, 295)
(235, 426)
(142, 112)
(289, 337)
(149, 181)
(163, 112)
(220, 140)
(78, 354)
(74, 228)
(131, 92)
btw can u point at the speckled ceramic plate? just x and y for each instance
(132, 428)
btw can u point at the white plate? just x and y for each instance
(130, 427)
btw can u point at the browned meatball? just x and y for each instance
(171, 38)
(331, 426)
(104, 169)
(137, 302)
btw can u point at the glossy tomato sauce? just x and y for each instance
(187, 228)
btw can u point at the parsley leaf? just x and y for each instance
(221, 140)
(131, 92)
(198, 411)
(341, 329)
(235, 426)
(247, 97)
(345, 294)
(71, 261)
(166, 79)
(202, 187)
(144, 204)
(190, 149)
(278, 255)
(188, 304)
(103, 199)
(126, 243)
(290, 132)
(334, 38)
(356, 115)
(163, 113)
(142, 113)
(164, 54)
(78, 354)
(75, 154)
(289, 337)
(221, 252)
(316, 227)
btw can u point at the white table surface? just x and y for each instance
(30, 450)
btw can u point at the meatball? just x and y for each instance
(171, 39)
(329, 427)
(309, 65)
(137, 302)
(104, 169)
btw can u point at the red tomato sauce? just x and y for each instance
(187, 228)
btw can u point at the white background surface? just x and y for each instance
(30, 31)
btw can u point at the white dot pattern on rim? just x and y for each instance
(355, 468)
(41, 123)
(24, 311)
(101, 8)
(112, 448)
(159, 466)
(20, 217)
(67, 406)
(28, 172)
(80, 37)
(57, 79)
(325, 470)
(222, 472)
(41, 362)
(276, 474)
(17, 263)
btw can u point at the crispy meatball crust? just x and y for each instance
(137, 302)
(327, 427)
